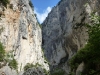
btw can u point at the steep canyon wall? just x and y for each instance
(20, 33)
(64, 32)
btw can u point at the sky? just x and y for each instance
(43, 7)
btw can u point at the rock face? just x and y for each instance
(20, 33)
(64, 32)
(6, 70)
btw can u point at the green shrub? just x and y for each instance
(13, 64)
(2, 52)
(31, 5)
(46, 72)
(58, 72)
(71, 73)
(59, 2)
(90, 54)
(4, 2)
(27, 66)
(8, 58)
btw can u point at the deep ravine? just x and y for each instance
(46, 50)
(64, 32)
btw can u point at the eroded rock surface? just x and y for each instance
(20, 33)
(64, 32)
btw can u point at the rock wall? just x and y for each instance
(64, 32)
(6, 70)
(20, 33)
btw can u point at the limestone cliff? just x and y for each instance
(64, 32)
(20, 33)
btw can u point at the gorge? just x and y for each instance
(46, 49)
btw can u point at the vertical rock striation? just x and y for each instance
(21, 33)
(64, 32)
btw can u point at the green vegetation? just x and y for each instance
(20, 66)
(4, 2)
(1, 30)
(59, 2)
(30, 65)
(27, 66)
(90, 54)
(8, 57)
(13, 64)
(11, 61)
(31, 5)
(37, 65)
(46, 60)
(2, 52)
(46, 72)
(58, 72)
(72, 73)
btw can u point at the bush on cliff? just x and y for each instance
(30, 65)
(2, 52)
(90, 54)
(31, 5)
(13, 64)
(4, 2)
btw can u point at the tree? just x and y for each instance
(90, 54)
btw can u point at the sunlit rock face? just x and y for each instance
(64, 32)
(20, 33)
(6, 70)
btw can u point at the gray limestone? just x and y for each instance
(64, 32)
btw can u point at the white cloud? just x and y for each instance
(41, 16)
